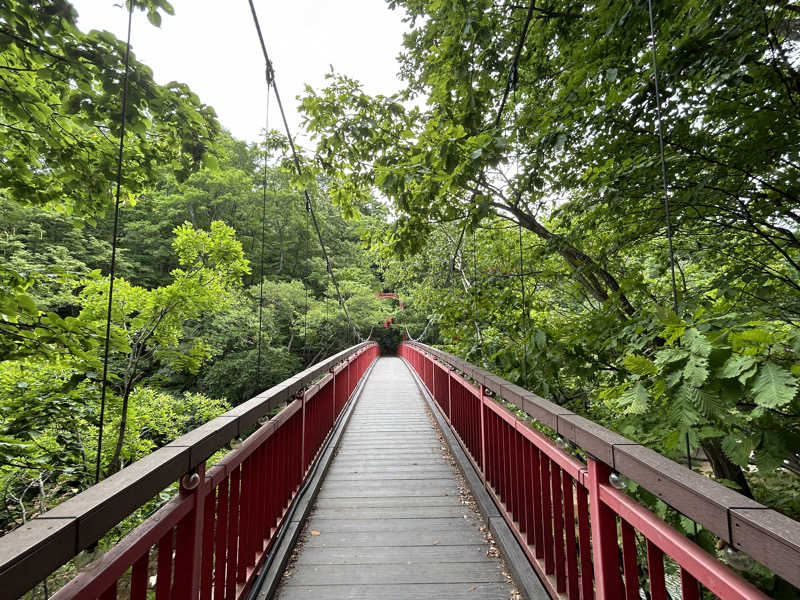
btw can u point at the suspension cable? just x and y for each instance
(305, 286)
(525, 326)
(263, 226)
(663, 160)
(667, 216)
(299, 169)
(113, 266)
(424, 331)
(511, 80)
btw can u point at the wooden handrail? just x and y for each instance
(33, 551)
(766, 535)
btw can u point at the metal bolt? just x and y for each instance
(190, 481)
(617, 481)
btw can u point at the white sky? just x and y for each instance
(212, 46)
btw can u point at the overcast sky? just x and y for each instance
(212, 46)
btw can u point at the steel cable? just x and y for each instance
(299, 169)
(113, 265)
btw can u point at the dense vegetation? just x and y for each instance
(521, 203)
(185, 318)
(549, 168)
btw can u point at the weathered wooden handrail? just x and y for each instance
(767, 536)
(33, 551)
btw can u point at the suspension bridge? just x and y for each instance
(414, 476)
(418, 475)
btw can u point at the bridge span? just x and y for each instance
(418, 476)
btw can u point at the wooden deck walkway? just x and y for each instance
(389, 521)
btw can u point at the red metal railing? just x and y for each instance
(578, 531)
(211, 539)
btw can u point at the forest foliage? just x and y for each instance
(517, 202)
(190, 277)
(531, 216)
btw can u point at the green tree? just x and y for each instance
(150, 325)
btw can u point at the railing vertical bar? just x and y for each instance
(524, 495)
(587, 574)
(110, 593)
(207, 564)
(501, 459)
(233, 535)
(481, 458)
(690, 589)
(493, 448)
(519, 479)
(508, 494)
(558, 528)
(304, 442)
(245, 519)
(139, 577)
(655, 572)
(164, 566)
(547, 514)
(573, 590)
(184, 546)
(450, 393)
(604, 535)
(221, 539)
(271, 479)
(530, 497)
(512, 467)
(538, 501)
(260, 531)
(630, 563)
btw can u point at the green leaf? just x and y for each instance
(639, 365)
(210, 162)
(738, 448)
(637, 398)
(27, 304)
(696, 371)
(697, 342)
(735, 366)
(670, 355)
(154, 17)
(774, 386)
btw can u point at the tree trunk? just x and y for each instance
(123, 423)
(127, 387)
(723, 467)
(597, 281)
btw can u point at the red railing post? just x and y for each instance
(450, 394)
(332, 371)
(605, 551)
(483, 433)
(189, 539)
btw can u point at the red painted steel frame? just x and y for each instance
(564, 513)
(210, 541)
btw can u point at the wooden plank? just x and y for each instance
(459, 537)
(394, 512)
(431, 591)
(768, 533)
(363, 525)
(390, 476)
(389, 488)
(396, 468)
(393, 574)
(393, 554)
(389, 520)
(408, 501)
